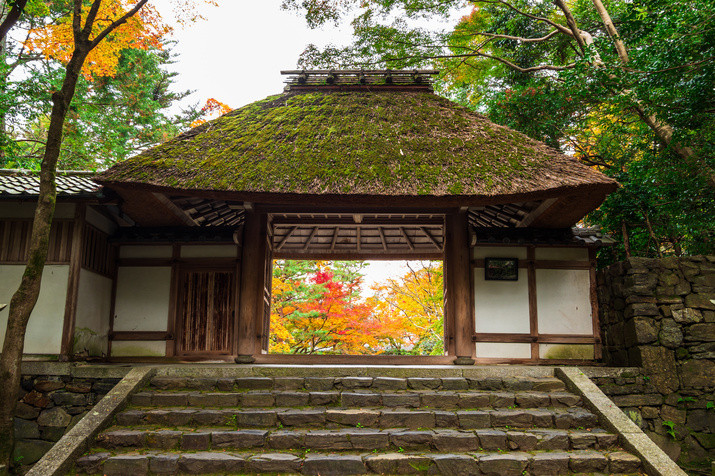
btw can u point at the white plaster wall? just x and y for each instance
(499, 350)
(501, 306)
(44, 330)
(145, 251)
(566, 254)
(94, 300)
(142, 301)
(563, 301)
(124, 348)
(209, 251)
(93, 217)
(27, 210)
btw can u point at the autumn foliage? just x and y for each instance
(317, 308)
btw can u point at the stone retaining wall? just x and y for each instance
(49, 406)
(659, 315)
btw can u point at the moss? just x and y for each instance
(570, 351)
(382, 143)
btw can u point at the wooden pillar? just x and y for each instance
(250, 304)
(457, 266)
(76, 253)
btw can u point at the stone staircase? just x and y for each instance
(355, 425)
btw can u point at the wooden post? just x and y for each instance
(73, 282)
(458, 267)
(250, 305)
(533, 313)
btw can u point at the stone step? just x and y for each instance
(362, 399)
(333, 417)
(351, 439)
(321, 384)
(473, 463)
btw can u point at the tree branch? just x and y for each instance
(117, 23)
(12, 17)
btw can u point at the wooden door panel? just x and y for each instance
(206, 312)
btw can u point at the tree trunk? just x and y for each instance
(24, 299)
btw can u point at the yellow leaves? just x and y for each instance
(144, 30)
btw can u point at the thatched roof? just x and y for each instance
(357, 143)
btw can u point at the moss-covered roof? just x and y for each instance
(356, 143)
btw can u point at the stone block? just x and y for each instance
(257, 399)
(443, 419)
(367, 439)
(620, 462)
(176, 399)
(659, 364)
(407, 419)
(353, 417)
(219, 463)
(507, 464)
(356, 382)
(492, 439)
(703, 332)
(274, 463)
(333, 465)
(121, 465)
(164, 463)
(48, 384)
(201, 383)
(582, 440)
(354, 399)
(254, 383)
(706, 440)
(549, 464)
(697, 373)
(638, 400)
(210, 417)
(501, 399)
(641, 330)
(389, 383)
(512, 418)
(92, 463)
(288, 383)
(284, 440)
(69, 399)
(122, 439)
(163, 439)
(307, 418)
(214, 399)
(641, 309)
(26, 412)
(195, 441)
(473, 400)
(408, 400)
(455, 464)
(455, 383)
(292, 399)
(420, 383)
(522, 441)
(327, 440)
(411, 440)
(324, 398)
(25, 429)
(439, 399)
(532, 399)
(588, 462)
(54, 417)
(36, 399)
(671, 335)
(447, 441)
(474, 419)
(239, 439)
(700, 301)
(319, 383)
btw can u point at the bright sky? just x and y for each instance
(237, 53)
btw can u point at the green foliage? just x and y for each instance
(669, 428)
(510, 60)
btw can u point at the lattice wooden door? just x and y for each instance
(206, 312)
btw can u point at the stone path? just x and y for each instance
(356, 425)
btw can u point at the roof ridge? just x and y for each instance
(37, 172)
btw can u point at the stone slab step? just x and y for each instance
(362, 398)
(545, 384)
(503, 464)
(351, 439)
(330, 417)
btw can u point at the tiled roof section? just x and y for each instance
(543, 236)
(23, 183)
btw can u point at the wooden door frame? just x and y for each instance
(229, 265)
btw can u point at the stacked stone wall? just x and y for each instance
(659, 315)
(49, 406)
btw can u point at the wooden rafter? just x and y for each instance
(407, 239)
(431, 238)
(285, 238)
(310, 238)
(382, 238)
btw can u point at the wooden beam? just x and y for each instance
(364, 254)
(250, 306)
(75, 259)
(174, 209)
(350, 222)
(310, 238)
(382, 238)
(458, 285)
(335, 237)
(536, 213)
(431, 238)
(285, 238)
(407, 239)
(141, 336)
(593, 295)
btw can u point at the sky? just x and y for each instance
(236, 54)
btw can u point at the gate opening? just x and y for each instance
(357, 307)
